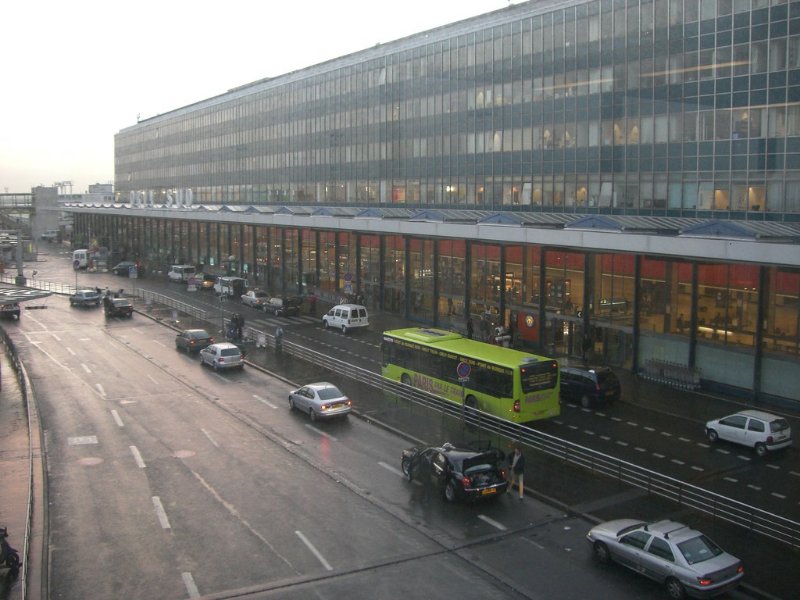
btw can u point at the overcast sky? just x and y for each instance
(76, 72)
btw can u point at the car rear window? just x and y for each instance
(230, 352)
(778, 425)
(329, 393)
(607, 378)
(699, 549)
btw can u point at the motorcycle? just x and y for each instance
(9, 557)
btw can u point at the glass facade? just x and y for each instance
(684, 109)
(680, 107)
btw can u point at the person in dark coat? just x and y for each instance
(517, 471)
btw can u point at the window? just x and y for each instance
(661, 549)
(637, 539)
(736, 421)
(756, 425)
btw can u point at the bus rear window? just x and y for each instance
(539, 376)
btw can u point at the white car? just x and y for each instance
(346, 317)
(255, 298)
(223, 355)
(321, 400)
(181, 273)
(682, 559)
(759, 430)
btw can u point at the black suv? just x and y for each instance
(589, 385)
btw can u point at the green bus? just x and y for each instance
(503, 382)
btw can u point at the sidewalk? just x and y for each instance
(15, 449)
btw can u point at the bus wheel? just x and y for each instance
(405, 379)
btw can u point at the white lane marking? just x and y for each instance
(162, 344)
(600, 414)
(538, 545)
(117, 418)
(314, 551)
(771, 466)
(100, 389)
(683, 439)
(153, 379)
(390, 468)
(322, 433)
(703, 445)
(492, 522)
(617, 419)
(85, 368)
(137, 457)
(722, 451)
(191, 588)
(754, 487)
(731, 479)
(650, 429)
(677, 462)
(55, 337)
(621, 443)
(640, 449)
(632, 424)
(777, 495)
(161, 513)
(71, 351)
(232, 510)
(696, 468)
(81, 440)
(573, 427)
(666, 434)
(657, 455)
(264, 401)
(795, 473)
(210, 439)
(605, 438)
(741, 457)
(221, 378)
(588, 432)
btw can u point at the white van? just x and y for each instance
(80, 259)
(346, 317)
(181, 273)
(231, 287)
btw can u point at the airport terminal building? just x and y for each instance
(615, 180)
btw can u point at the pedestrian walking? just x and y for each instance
(279, 339)
(517, 472)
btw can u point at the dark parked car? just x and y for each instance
(10, 310)
(193, 340)
(118, 307)
(123, 268)
(457, 473)
(591, 386)
(283, 307)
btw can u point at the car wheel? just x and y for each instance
(761, 450)
(311, 414)
(586, 402)
(202, 362)
(713, 436)
(450, 491)
(291, 403)
(216, 367)
(601, 553)
(405, 379)
(405, 467)
(674, 589)
(324, 323)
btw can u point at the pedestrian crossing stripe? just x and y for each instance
(300, 319)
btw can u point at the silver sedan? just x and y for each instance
(684, 560)
(321, 400)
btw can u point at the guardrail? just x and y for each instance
(150, 298)
(683, 494)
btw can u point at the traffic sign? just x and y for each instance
(463, 370)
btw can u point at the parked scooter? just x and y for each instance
(9, 557)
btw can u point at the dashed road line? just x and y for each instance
(117, 418)
(264, 401)
(314, 551)
(189, 584)
(161, 513)
(492, 522)
(137, 457)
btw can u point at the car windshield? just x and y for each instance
(329, 393)
(699, 549)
